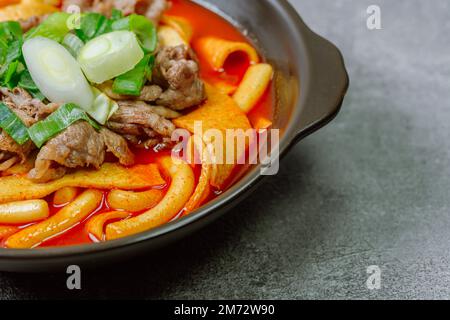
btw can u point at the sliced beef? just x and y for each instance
(141, 124)
(79, 146)
(30, 111)
(10, 160)
(31, 22)
(177, 72)
(11, 152)
(165, 112)
(118, 146)
(152, 9)
(126, 129)
(149, 93)
(139, 113)
(84, 5)
(126, 6)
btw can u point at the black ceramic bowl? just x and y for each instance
(310, 84)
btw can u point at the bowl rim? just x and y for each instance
(230, 196)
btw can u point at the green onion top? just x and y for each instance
(57, 122)
(10, 30)
(12, 125)
(131, 83)
(27, 83)
(14, 71)
(54, 27)
(143, 28)
(93, 25)
(73, 44)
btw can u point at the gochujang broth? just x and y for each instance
(93, 93)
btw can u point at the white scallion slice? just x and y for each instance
(103, 107)
(56, 73)
(110, 55)
(72, 43)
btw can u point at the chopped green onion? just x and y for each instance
(27, 83)
(37, 94)
(3, 51)
(143, 28)
(10, 78)
(10, 49)
(12, 125)
(110, 55)
(14, 51)
(57, 122)
(10, 30)
(131, 83)
(56, 73)
(103, 107)
(11, 67)
(116, 15)
(73, 44)
(54, 27)
(93, 25)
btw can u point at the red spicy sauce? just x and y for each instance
(204, 23)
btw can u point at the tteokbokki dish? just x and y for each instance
(91, 93)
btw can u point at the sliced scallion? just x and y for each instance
(12, 125)
(143, 28)
(37, 94)
(14, 51)
(131, 83)
(110, 55)
(56, 73)
(93, 25)
(10, 30)
(54, 27)
(3, 51)
(103, 107)
(116, 15)
(10, 78)
(57, 122)
(73, 44)
(27, 83)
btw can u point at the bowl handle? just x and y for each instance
(328, 84)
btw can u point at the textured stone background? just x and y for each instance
(371, 188)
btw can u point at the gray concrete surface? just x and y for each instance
(370, 189)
